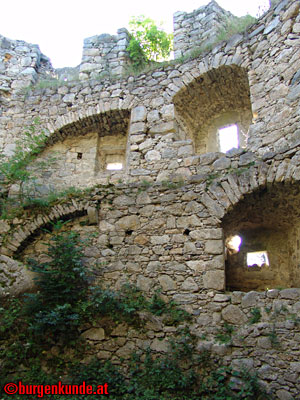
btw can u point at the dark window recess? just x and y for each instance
(186, 232)
(79, 156)
(129, 232)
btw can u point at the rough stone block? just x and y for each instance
(214, 246)
(233, 315)
(214, 280)
(138, 114)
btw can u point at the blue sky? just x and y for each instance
(60, 26)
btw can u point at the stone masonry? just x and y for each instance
(164, 220)
(198, 28)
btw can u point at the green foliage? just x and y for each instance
(274, 338)
(27, 148)
(62, 284)
(225, 334)
(14, 169)
(64, 302)
(256, 316)
(148, 42)
(18, 169)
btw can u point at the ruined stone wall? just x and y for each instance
(104, 55)
(169, 104)
(198, 28)
(21, 64)
(176, 201)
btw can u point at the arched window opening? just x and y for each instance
(267, 253)
(218, 99)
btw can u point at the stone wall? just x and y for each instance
(268, 344)
(104, 55)
(198, 28)
(166, 221)
(21, 64)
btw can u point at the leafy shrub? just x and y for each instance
(148, 42)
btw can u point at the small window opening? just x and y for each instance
(114, 166)
(129, 232)
(79, 156)
(228, 138)
(233, 244)
(257, 258)
(186, 232)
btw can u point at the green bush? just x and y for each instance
(148, 42)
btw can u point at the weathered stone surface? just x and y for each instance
(214, 280)
(221, 163)
(290, 294)
(15, 277)
(233, 315)
(167, 283)
(161, 346)
(220, 298)
(130, 222)
(120, 330)
(4, 227)
(250, 299)
(214, 246)
(94, 334)
(284, 395)
(153, 155)
(138, 114)
(190, 285)
(144, 283)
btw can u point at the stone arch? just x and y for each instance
(230, 192)
(261, 205)
(19, 237)
(105, 121)
(214, 99)
(82, 150)
(267, 222)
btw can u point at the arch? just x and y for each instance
(79, 152)
(19, 237)
(230, 191)
(103, 122)
(212, 100)
(268, 222)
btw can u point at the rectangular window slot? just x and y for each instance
(257, 258)
(228, 138)
(114, 166)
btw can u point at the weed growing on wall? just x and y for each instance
(255, 316)
(235, 25)
(17, 170)
(14, 168)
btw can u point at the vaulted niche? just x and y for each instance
(216, 100)
(86, 150)
(262, 240)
